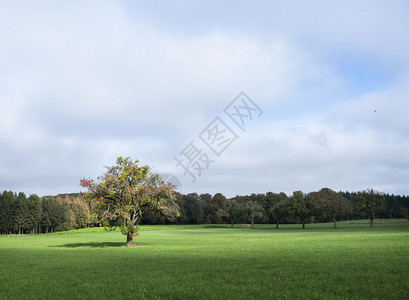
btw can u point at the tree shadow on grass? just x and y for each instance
(97, 245)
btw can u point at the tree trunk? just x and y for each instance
(278, 223)
(371, 222)
(252, 223)
(232, 224)
(303, 224)
(335, 223)
(129, 240)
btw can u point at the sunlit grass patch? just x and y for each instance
(194, 262)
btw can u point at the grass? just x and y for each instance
(144, 228)
(210, 262)
(376, 221)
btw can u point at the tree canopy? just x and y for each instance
(124, 192)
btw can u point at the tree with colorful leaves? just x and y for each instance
(124, 192)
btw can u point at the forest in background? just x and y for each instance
(20, 214)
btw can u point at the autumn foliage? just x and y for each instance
(124, 193)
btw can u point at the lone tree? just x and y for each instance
(371, 202)
(124, 192)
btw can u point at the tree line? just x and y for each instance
(20, 214)
(325, 205)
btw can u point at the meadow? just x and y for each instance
(210, 262)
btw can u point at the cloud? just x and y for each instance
(358, 144)
(82, 83)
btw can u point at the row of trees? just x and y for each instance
(323, 206)
(21, 214)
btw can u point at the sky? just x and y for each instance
(231, 97)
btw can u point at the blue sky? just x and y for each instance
(83, 82)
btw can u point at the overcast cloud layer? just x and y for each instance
(83, 82)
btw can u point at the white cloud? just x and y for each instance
(351, 147)
(83, 83)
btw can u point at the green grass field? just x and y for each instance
(210, 262)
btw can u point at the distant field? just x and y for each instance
(210, 262)
(376, 221)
